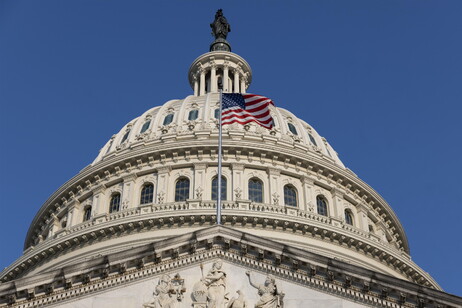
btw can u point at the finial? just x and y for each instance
(220, 28)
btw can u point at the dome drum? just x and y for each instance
(275, 161)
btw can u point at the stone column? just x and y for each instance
(202, 81)
(237, 183)
(213, 78)
(242, 85)
(163, 175)
(127, 192)
(225, 78)
(236, 81)
(275, 189)
(196, 86)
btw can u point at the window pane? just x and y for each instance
(312, 140)
(87, 214)
(145, 126)
(255, 190)
(348, 217)
(147, 194)
(110, 145)
(193, 114)
(114, 205)
(168, 119)
(182, 190)
(290, 195)
(124, 138)
(216, 113)
(215, 188)
(321, 205)
(292, 128)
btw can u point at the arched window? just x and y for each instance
(292, 128)
(193, 114)
(114, 204)
(182, 189)
(321, 205)
(64, 222)
(348, 217)
(145, 126)
(216, 113)
(313, 141)
(256, 190)
(147, 194)
(290, 195)
(168, 119)
(125, 137)
(87, 213)
(215, 188)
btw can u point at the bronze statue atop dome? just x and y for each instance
(220, 29)
(220, 26)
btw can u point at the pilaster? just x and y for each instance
(275, 189)
(163, 175)
(127, 192)
(363, 222)
(237, 187)
(309, 200)
(336, 209)
(199, 181)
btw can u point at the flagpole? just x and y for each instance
(219, 162)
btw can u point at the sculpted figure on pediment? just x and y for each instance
(270, 296)
(163, 294)
(210, 291)
(238, 302)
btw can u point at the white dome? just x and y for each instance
(155, 178)
(149, 128)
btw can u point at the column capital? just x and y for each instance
(200, 166)
(307, 180)
(273, 171)
(129, 178)
(336, 193)
(163, 170)
(237, 167)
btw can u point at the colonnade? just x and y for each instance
(228, 69)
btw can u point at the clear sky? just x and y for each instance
(381, 80)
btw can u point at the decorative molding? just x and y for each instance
(265, 256)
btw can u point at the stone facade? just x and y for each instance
(180, 271)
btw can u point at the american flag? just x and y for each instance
(246, 108)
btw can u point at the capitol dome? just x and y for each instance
(157, 178)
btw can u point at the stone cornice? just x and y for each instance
(291, 264)
(175, 215)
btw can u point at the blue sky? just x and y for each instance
(381, 80)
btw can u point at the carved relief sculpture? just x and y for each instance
(238, 302)
(168, 292)
(270, 296)
(209, 292)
